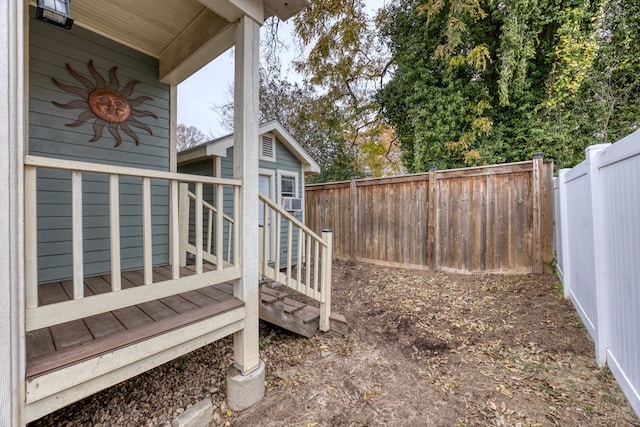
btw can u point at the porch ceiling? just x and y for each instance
(184, 35)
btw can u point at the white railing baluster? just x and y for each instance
(299, 283)
(183, 222)
(219, 192)
(199, 238)
(147, 231)
(289, 250)
(325, 300)
(276, 264)
(31, 237)
(264, 239)
(76, 235)
(236, 234)
(175, 230)
(316, 265)
(114, 231)
(209, 229)
(307, 266)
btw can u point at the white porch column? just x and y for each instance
(12, 134)
(245, 168)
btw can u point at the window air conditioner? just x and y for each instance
(291, 204)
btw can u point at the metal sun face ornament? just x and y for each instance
(107, 103)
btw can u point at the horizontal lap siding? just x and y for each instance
(285, 161)
(51, 48)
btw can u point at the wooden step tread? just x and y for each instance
(268, 299)
(310, 314)
(291, 305)
(270, 291)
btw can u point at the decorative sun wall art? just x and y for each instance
(107, 103)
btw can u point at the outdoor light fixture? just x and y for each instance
(56, 12)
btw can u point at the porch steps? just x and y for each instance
(280, 306)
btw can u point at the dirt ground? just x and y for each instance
(436, 349)
(425, 349)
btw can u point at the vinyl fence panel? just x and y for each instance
(599, 211)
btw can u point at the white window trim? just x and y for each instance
(287, 173)
(270, 220)
(275, 143)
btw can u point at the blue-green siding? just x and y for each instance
(51, 48)
(285, 161)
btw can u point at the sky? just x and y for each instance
(208, 87)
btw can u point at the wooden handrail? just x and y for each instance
(315, 281)
(289, 217)
(52, 163)
(207, 254)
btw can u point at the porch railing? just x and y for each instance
(209, 242)
(40, 316)
(310, 272)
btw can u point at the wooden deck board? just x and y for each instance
(66, 334)
(214, 293)
(178, 304)
(198, 298)
(102, 324)
(60, 345)
(39, 342)
(47, 363)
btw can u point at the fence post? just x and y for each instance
(353, 201)
(432, 220)
(325, 305)
(564, 232)
(537, 264)
(599, 251)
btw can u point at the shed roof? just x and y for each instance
(218, 147)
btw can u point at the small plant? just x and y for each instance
(267, 339)
(553, 263)
(560, 289)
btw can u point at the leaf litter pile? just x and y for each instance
(438, 349)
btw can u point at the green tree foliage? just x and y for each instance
(346, 63)
(332, 112)
(606, 105)
(486, 81)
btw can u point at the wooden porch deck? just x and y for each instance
(55, 347)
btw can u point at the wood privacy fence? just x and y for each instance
(491, 218)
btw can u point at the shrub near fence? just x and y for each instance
(598, 236)
(491, 218)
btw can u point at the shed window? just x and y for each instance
(288, 186)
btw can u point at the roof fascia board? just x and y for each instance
(309, 165)
(195, 48)
(232, 10)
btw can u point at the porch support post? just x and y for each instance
(244, 387)
(12, 137)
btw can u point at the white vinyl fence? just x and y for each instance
(597, 236)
